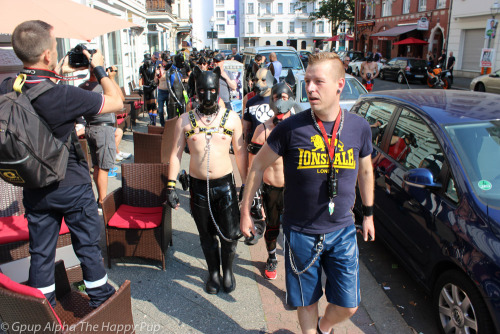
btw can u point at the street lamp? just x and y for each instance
(212, 23)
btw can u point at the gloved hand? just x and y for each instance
(240, 197)
(172, 198)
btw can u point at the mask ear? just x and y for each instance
(196, 72)
(290, 79)
(217, 72)
(271, 68)
(255, 68)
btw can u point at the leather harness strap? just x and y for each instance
(210, 130)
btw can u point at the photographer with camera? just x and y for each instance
(73, 199)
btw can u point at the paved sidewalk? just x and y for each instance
(174, 301)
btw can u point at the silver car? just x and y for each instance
(352, 90)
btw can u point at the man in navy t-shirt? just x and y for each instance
(73, 199)
(325, 150)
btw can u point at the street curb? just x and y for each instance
(378, 305)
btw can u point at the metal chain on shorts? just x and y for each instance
(319, 249)
(208, 137)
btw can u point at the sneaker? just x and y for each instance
(125, 155)
(111, 173)
(118, 157)
(271, 266)
(114, 169)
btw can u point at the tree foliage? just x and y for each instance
(335, 11)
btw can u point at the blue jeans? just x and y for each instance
(162, 100)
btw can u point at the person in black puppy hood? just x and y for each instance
(209, 130)
(177, 89)
(147, 79)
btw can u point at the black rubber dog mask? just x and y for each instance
(206, 82)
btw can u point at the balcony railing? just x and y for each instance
(159, 6)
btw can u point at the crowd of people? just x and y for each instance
(268, 144)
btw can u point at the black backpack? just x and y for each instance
(30, 155)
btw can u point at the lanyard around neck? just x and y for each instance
(330, 145)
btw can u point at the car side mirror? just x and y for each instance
(420, 178)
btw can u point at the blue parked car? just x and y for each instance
(436, 161)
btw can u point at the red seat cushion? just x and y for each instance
(15, 228)
(136, 218)
(138, 104)
(8, 284)
(119, 120)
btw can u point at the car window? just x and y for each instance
(287, 59)
(401, 63)
(418, 63)
(378, 114)
(478, 148)
(392, 62)
(352, 90)
(414, 145)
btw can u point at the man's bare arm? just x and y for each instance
(239, 147)
(366, 189)
(263, 159)
(179, 143)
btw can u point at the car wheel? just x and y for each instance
(381, 75)
(480, 87)
(458, 305)
(401, 78)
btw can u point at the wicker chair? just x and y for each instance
(153, 147)
(28, 306)
(137, 219)
(155, 129)
(11, 210)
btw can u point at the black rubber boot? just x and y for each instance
(228, 252)
(213, 263)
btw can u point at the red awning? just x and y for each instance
(69, 19)
(411, 40)
(337, 38)
(396, 31)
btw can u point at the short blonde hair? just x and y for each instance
(333, 58)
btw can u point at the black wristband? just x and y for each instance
(99, 73)
(367, 210)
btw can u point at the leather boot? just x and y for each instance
(212, 285)
(228, 251)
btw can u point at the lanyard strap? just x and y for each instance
(330, 146)
(46, 74)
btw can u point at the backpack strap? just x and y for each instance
(38, 89)
(78, 148)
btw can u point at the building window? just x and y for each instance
(280, 27)
(321, 26)
(292, 27)
(304, 8)
(219, 2)
(303, 45)
(386, 8)
(250, 8)
(304, 26)
(280, 8)
(313, 27)
(370, 9)
(422, 5)
(440, 4)
(220, 14)
(250, 27)
(268, 42)
(279, 43)
(221, 27)
(268, 27)
(292, 8)
(406, 6)
(266, 8)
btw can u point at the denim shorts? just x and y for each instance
(339, 260)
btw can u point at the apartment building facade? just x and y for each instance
(381, 23)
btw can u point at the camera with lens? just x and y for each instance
(77, 58)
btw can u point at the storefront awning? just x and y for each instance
(396, 31)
